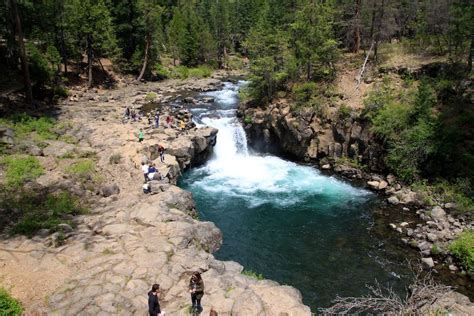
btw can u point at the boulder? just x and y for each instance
(438, 213)
(393, 200)
(109, 190)
(326, 167)
(432, 237)
(382, 185)
(373, 184)
(428, 262)
(6, 135)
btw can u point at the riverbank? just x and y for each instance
(339, 140)
(107, 261)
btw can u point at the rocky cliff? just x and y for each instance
(308, 135)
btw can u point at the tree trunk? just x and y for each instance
(90, 58)
(356, 47)
(23, 58)
(379, 30)
(145, 58)
(372, 24)
(63, 51)
(469, 59)
(309, 70)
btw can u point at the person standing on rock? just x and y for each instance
(161, 151)
(153, 302)
(157, 120)
(141, 135)
(196, 288)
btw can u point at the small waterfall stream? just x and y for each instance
(287, 221)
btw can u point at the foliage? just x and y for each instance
(303, 92)
(183, 72)
(19, 169)
(83, 170)
(24, 125)
(344, 112)
(253, 275)
(31, 211)
(150, 97)
(463, 249)
(407, 125)
(8, 305)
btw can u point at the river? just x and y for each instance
(287, 221)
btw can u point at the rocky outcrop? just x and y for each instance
(106, 263)
(308, 135)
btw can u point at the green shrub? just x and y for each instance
(303, 92)
(24, 124)
(19, 169)
(344, 112)
(8, 305)
(32, 211)
(253, 275)
(463, 249)
(248, 120)
(162, 72)
(62, 92)
(151, 96)
(200, 72)
(435, 250)
(84, 170)
(183, 72)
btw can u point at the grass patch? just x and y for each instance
(29, 211)
(8, 305)
(19, 169)
(24, 125)
(183, 72)
(151, 96)
(463, 249)
(459, 192)
(253, 275)
(83, 170)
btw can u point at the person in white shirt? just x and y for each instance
(145, 169)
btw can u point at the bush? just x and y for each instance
(463, 249)
(19, 169)
(162, 72)
(83, 170)
(8, 305)
(303, 92)
(24, 124)
(39, 211)
(253, 275)
(248, 120)
(183, 72)
(151, 96)
(344, 112)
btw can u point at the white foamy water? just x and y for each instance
(259, 179)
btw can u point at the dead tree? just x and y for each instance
(422, 294)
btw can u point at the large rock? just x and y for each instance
(428, 263)
(58, 149)
(438, 213)
(109, 190)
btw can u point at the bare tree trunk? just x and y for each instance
(356, 47)
(90, 58)
(145, 59)
(63, 51)
(23, 58)
(361, 73)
